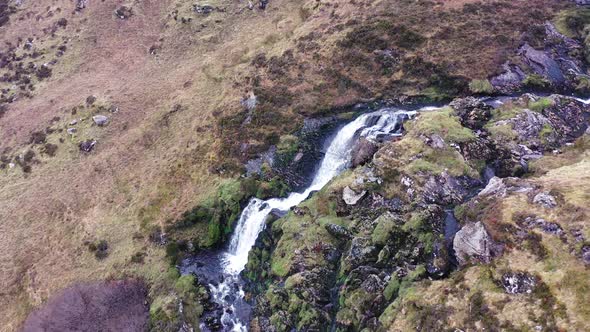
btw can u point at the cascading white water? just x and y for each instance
(386, 122)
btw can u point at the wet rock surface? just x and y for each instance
(363, 151)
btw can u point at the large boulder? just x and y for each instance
(473, 243)
(351, 197)
(363, 151)
(510, 80)
(542, 64)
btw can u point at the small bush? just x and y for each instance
(99, 248)
(43, 72)
(49, 149)
(138, 257)
(38, 137)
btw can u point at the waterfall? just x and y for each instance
(374, 126)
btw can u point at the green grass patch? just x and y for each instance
(443, 123)
(481, 87)
(540, 104)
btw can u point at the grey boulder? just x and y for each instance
(472, 242)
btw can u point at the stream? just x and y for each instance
(222, 270)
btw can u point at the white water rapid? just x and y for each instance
(374, 126)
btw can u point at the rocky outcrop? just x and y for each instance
(385, 239)
(555, 121)
(542, 64)
(557, 63)
(474, 114)
(447, 190)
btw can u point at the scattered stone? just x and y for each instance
(545, 199)
(262, 4)
(73, 122)
(72, 131)
(203, 9)
(123, 12)
(518, 282)
(473, 242)
(298, 211)
(81, 4)
(350, 197)
(540, 223)
(436, 142)
(586, 254)
(100, 120)
(250, 102)
(90, 100)
(87, 146)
